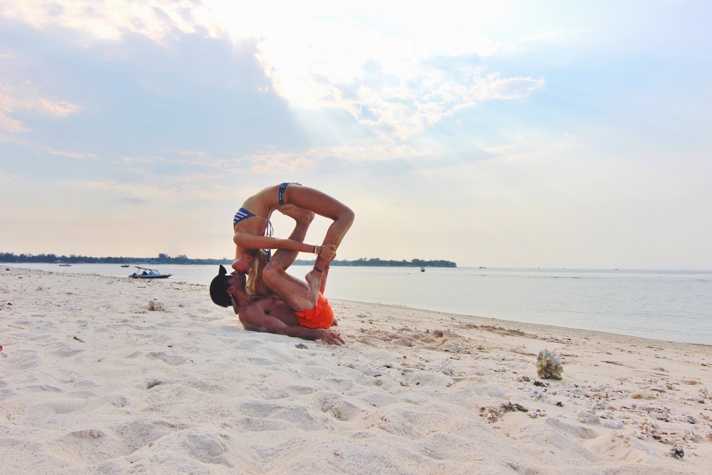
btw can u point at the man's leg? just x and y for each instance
(283, 258)
(297, 294)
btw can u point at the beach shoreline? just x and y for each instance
(92, 381)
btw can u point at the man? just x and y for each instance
(301, 310)
(267, 314)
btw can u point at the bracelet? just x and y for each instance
(314, 251)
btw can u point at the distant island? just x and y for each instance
(9, 257)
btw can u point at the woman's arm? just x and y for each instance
(250, 241)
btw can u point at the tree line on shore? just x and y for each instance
(9, 257)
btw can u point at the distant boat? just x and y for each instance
(125, 265)
(146, 273)
(64, 264)
(422, 269)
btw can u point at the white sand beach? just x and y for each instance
(92, 381)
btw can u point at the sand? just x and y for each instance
(92, 381)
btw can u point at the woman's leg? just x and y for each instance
(323, 205)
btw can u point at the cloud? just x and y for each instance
(8, 124)
(281, 163)
(385, 81)
(532, 41)
(154, 19)
(413, 104)
(141, 159)
(74, 155)
(364, 59)
(134, 201)
(24, 98)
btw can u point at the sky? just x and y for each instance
(553, 134)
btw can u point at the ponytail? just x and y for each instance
(255, 283)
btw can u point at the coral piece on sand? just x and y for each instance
(548, 366)
(493, 414)
(155, 306)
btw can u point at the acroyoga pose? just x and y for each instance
(301, 311)
(253, 232)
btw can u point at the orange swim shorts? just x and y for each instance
(320, 317)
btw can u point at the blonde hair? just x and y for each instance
(255, 283)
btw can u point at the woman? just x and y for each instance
(253, 230)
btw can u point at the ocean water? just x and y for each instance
(663, 305)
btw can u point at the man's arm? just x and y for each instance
(254, 319)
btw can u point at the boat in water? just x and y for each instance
(146, 273)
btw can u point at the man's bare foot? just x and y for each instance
(300, 215)
(313, 279)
